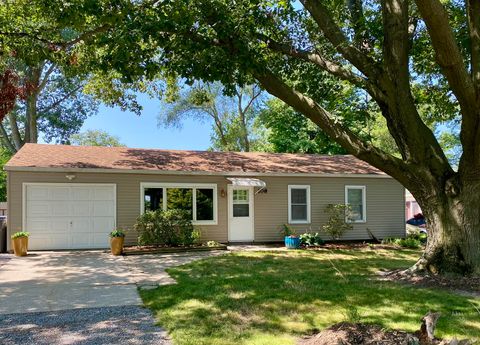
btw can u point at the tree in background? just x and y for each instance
(5, 155)
(95, 138)
(232, 116)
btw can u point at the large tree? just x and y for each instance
(410, 57)
(405, 55)
(93, 137)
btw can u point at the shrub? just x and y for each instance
(409, 242)
(117, 233)
(213, 244)
(336, 225)
(311, 239)
(288, 231)
(196, 235)
(171, 228)
(20, 234)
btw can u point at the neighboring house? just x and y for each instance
(411, 206)
(71, 197)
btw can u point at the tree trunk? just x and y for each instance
(453, 225)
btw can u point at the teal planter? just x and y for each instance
(292, 242)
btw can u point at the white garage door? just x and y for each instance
(69, 216)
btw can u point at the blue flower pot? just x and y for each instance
(292, 242)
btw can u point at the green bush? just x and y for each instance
(20, 234)
(409, 242)
(336, 225)
(213, 244)
(311, 239)
(170, 228)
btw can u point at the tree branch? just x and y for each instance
(334, 34)
(45, 78)
(305, 105)
(6, 140)
(473, 17)
(16, 137)
(448, 53)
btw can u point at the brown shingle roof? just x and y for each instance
(71, 157)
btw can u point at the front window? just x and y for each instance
(355, 199)
(298, 204)
(200, 200)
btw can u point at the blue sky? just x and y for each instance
(142, 131)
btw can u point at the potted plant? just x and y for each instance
(292, 241)
(117, 238)
(20, 243)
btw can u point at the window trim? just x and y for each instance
(194, 187)
(364, 202)
(298, 186)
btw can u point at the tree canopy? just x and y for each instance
(95, 138)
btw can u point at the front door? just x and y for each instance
(240, 211)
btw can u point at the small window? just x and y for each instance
(153, 199)
(355, 198)
(298, 204)
(204, 204)
(241, 203)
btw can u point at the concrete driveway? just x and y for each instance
(84, 298)
(52, 281)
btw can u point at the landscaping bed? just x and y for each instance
(139, 250)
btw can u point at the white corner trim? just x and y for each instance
(309, 204)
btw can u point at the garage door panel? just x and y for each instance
(82, 208)
(38, 193)
(39, 208)
(69, 216)
(82, 193)
(104, 193)
(102, 225)
(60, 193)
(103, 208)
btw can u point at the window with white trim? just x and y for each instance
(299, 204)
(355, 197)
(198, 199)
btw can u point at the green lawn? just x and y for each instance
(275, 297)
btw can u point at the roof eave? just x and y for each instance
(180, 172)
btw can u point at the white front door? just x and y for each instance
(240, 214)
(68, 215)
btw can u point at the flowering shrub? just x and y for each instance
(170, 228)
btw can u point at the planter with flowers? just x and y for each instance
(20, 243)
(117, 238)
(292, 240)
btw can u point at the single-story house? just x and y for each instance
(71, 197)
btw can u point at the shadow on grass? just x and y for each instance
(271, 298)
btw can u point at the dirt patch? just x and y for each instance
(358, 334)
(469, 286)
(361, 334)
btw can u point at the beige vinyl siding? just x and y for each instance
(128, 197)
(384, 197)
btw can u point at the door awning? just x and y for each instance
(247, 182)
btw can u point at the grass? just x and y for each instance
(260, 298)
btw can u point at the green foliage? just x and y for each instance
(288, 231)
(20, 234)
(310, 239)
(337, 225)
(95, 138)
(352, 314)
(412, 241)
(196, 235)
(5, 155)
(170, 228)
(117, 233)
(213, 244)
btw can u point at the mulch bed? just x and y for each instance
(355, 245)
(345, 333)
(140, 250)
(464, 285)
